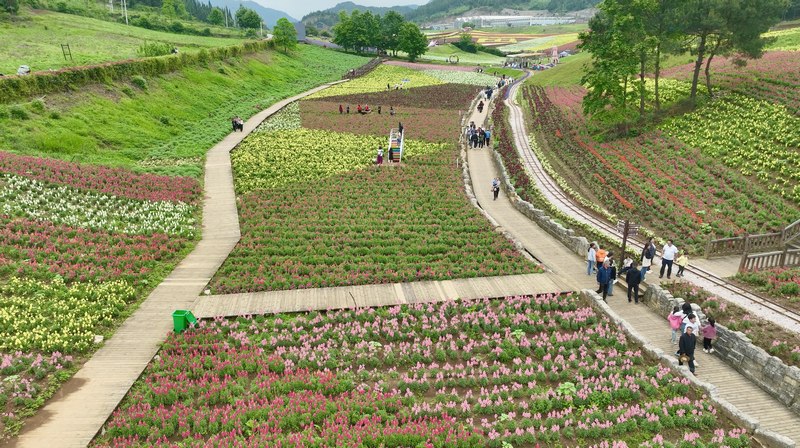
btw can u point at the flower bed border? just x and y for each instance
(768, 372)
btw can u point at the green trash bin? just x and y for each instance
(181, 319)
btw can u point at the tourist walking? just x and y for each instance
(488, 134)
(691, 321)
(495, 187)
(667, 257)
(604, 278)
(686, 347)
(682, 262)
(709, 332)
(633, 278)
(648, 253)
(675, 319)
(341, 109)
(379, 158)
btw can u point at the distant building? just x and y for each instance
(511, 21)
(300, 27)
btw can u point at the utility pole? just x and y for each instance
(125, 10)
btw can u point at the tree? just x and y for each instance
(285, 35)
(247, 18)
(168, 8)
(311, 30)
(10, 6)
(343, 33)
(412, 41)
(390, 31)
(216, 17)
(614, 61)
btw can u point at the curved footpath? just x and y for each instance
(730, 385)
(719, 268)
(78, 411)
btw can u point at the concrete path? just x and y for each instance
(77, 412)
(731, 385)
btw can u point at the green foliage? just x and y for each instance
(112, 127)
(412, 41)
(151, 49)
(139, 82)
(284, 35)
(465, 43)
(10, 6)
(22, 87)
(247, 18)
(216, 17)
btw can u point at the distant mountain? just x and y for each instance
(269, 15)
(327, 18)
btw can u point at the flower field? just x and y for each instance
(524, 371)
(280, 159)
(544, 43)
(687, 196)
(432, 125)
(377, 79)
(778, 282)
(78, 245)
(439, 96)
(459, 77)
(774, 78)
(363, 226)
(753, 136)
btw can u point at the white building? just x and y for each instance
(510, 21)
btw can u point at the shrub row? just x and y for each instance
(19, 87)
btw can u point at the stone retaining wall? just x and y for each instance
(765, 436)
(736, 349)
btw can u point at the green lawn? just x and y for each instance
(35, 40)
(567, 73)
(443, 52)
(168, 127)
(785, 39)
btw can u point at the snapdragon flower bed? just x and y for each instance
(79, 244)
(441, 96)
(280, 159)
(363, 226)
(781, 283)
(377, 81)
(432, 125)
(520, 372)
(677, 196)
(458, 77)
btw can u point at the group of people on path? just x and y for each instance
(686, 328)
(477, 137)
(684, 323)
(365, 109)
(601, 263)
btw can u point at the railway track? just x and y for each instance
(757, 304)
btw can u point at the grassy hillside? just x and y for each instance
(567, 73)
(167, 126)
(35, 40)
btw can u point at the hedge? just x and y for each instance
(20, 87)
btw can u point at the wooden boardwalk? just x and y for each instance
(75, 414)
(376, 295)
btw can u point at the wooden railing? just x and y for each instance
(785, 258)
(791, 231)
(363, 70)
(725, 246)
(744, 244)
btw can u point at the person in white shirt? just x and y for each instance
(590, 259)
(668, 256)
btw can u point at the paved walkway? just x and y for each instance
(75, 414)
(731, 385)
